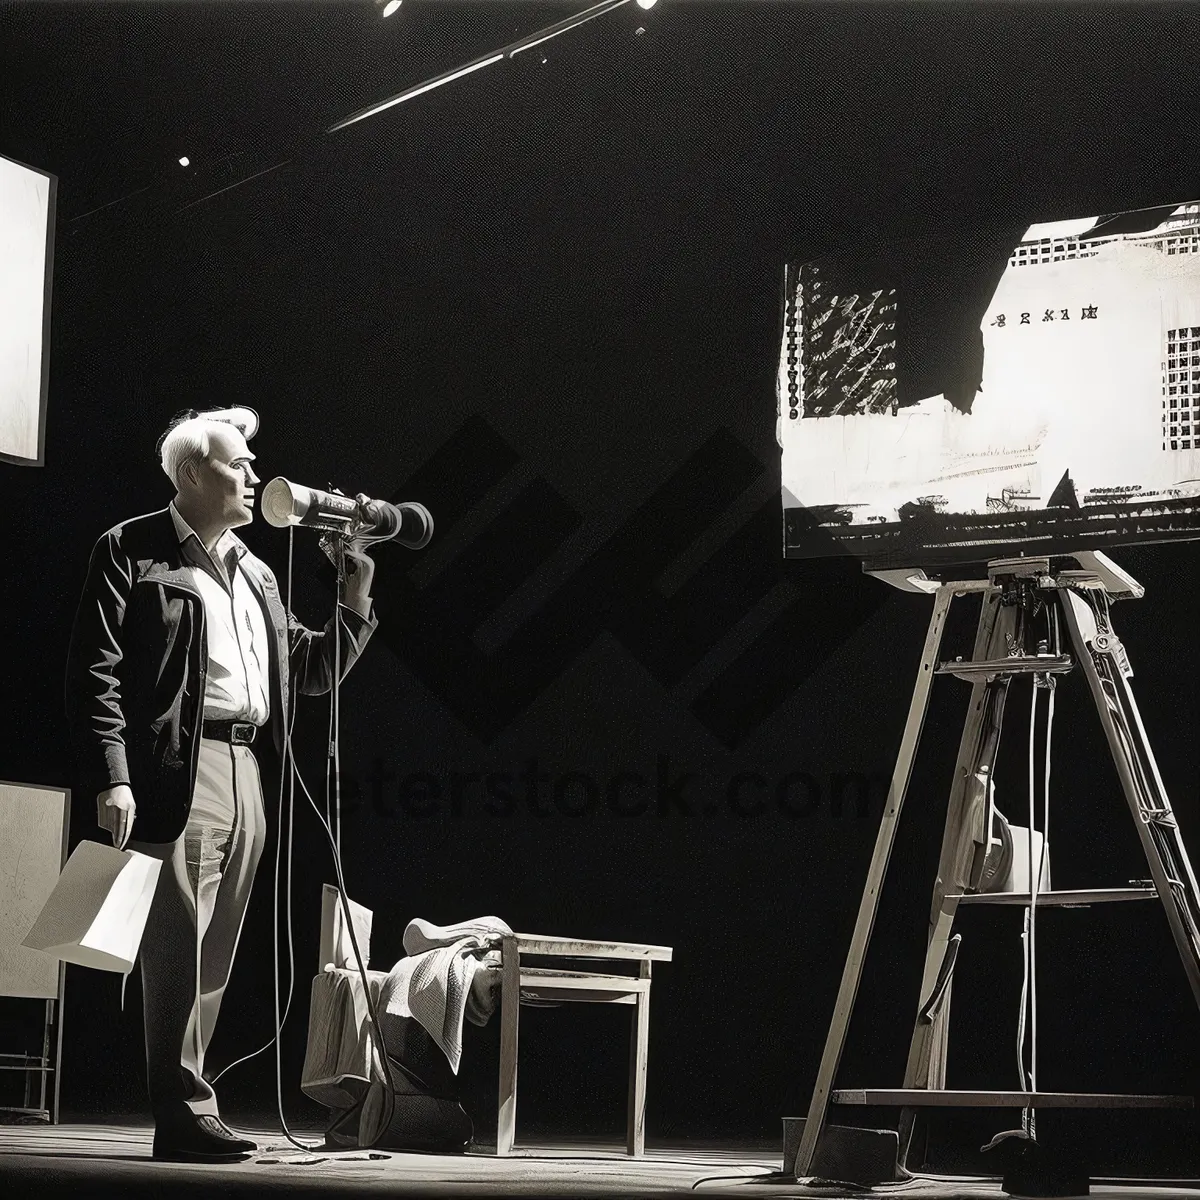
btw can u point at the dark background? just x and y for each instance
(545, 301)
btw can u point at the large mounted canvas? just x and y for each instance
(995, 395)
(27, 202)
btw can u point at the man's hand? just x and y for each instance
(360, 571)
(350, 557)
(115, 811)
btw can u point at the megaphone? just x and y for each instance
(284, 503)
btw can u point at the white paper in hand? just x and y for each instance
(97, 912)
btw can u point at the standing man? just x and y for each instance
(181, 655)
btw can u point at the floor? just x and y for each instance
(98, 1160)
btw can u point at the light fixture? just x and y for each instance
(598, 9)
(185, 161)
(387, 7)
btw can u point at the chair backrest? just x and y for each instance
(34, 824)
(336, 949)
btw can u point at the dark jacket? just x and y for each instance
(137, 661)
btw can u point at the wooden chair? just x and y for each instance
(534, 984)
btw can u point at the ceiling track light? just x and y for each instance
(486, 60)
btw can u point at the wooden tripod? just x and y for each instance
(1016, 593)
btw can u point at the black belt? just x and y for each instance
(238, 733)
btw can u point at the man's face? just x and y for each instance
(224, 485)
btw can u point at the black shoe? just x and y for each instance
(240, 1137)
(199, 1139)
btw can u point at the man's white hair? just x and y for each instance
(187, 438)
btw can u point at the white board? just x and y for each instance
(33, 834)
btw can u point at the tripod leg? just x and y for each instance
(1108, 673)
(852, 972)
(964, 845)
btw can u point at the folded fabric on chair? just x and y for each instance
(451, 973)
(341, 1057)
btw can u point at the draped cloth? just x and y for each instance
(451, 973)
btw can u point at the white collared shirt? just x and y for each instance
(238, 682)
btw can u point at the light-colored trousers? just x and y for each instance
(194, 924)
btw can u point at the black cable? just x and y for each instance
(335, 846)
(290, 722)
(291, 959)
(294, 776)
(289, 765)
(289, 776)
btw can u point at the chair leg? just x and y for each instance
(639, 1049)
(45, 1063)
(58, 1038)
(510, 1011)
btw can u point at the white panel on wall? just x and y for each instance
(33, 823)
